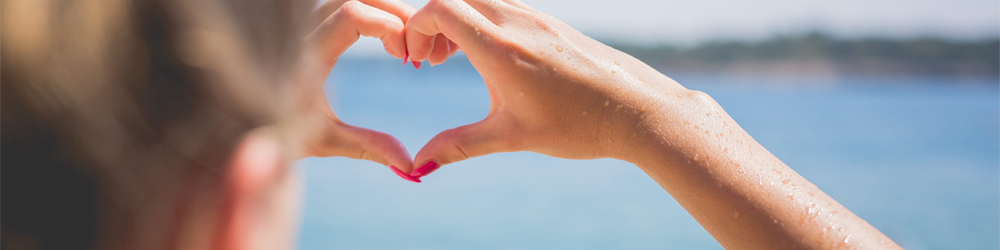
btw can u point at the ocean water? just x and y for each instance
(917, 157)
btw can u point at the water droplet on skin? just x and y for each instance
(612, 72)
(641, 80)
(736, 214)
(520, 93)
(618, 108)
(541, 52)
(846, 239)
(558, 48)
(555, 69)
(617, 63)
(708, 114)
(785, 181)
(678, 95)
(696, 156)
(741, 170)
(584, 113)
(607, 102)
(574, 69)
(555, 33)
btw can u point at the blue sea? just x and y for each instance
(917, 157)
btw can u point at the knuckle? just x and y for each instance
(437, 5)
(538, 22)
(700, 96)
(445, 7)
(350, 10)
(363, 155)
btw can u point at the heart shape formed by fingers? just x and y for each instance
(339, 24)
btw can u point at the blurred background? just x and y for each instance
(891, 107)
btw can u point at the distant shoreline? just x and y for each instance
(817, 54)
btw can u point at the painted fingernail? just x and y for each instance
(425, 169)
(406, 58)
(404, 175)
(416, 64)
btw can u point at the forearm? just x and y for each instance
(741, 193)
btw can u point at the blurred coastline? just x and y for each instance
(818, 54)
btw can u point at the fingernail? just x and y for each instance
(416, 64)
(425, 169)
(404, 175)
(407, 57)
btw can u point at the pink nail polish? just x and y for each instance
(425, 169)
(404, 175)
(407, 58)
(416, 64)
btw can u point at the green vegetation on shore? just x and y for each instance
(815, 53)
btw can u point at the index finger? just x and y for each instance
(456, 19)
(395, 7)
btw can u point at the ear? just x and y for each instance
(255, 168)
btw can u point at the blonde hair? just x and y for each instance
(112, 108)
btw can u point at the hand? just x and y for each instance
(553, 90)
(339, 24)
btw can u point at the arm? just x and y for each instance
(741, 193)
(557, 92)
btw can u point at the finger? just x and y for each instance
(352, 20)
(456, 19)
(484, 137)
(519, 4)
(395, 7)
(349, 141)
(442, 49)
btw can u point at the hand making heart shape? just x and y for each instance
(553, 90)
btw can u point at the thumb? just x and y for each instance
(491, 135)
(341, 139)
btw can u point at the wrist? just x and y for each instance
(683, 126)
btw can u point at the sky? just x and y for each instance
(689, 22)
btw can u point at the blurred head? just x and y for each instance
(150, 124)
